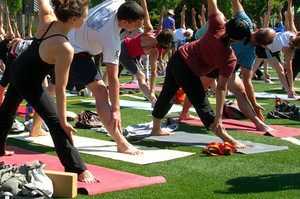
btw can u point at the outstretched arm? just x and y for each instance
(17, 33)
(212, 7)
(30, 26)
(2, 31)
(194, 23)
(237, 7)
(267, 17)
(203, 11)
(182, 24)
(45, 11)
(290, 20)
(280, 13)
(147, 22)
(8, 24)
(162, 12)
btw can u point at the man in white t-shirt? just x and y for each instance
(101, 33)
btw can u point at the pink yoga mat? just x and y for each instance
(136, 86)
(250, 128)
(111, 180)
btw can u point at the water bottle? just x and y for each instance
(277, 101)
(29, 112)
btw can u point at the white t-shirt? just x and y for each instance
(178, 35)
(100, 33)
(282, 39)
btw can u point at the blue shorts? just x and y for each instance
(83, 71)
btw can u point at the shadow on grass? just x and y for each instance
(263, 183)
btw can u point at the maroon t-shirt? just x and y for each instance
(209, 53)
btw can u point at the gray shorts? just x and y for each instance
(132, 65)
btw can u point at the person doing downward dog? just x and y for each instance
(197, 59)
(50, 50)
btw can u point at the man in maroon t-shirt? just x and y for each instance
(197, 59)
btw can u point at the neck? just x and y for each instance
(252, 39)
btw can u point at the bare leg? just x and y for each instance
(104, 111)
(273, 62)
(221, 133)
(157, 130)
(36, 129)
(144, 87)
(236, 86)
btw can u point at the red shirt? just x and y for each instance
(209, 53)
(134, 47)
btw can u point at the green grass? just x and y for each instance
(266, 175)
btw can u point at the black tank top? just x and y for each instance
(30, 64)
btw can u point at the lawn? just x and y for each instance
(264, 175)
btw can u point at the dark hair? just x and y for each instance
(130, 11)
(262, 36)
(295, 43)
(64, 9)
(165, 38)
(237, 29)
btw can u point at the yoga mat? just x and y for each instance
(273, 96)
(250, 128)
(262, 82)
(111, 180)
(108, 149)
(142, 105)
(136, 86)
(200, 140)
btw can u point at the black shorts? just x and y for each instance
(83, 71)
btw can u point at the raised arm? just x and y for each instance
(161, 17)
(194, 23)
(203, 11)
(8, 24)
(280, 13)
(30, 27)
(147, 22)
(182, 23)
(290, 20)
(17, 33)
(2, 31)
(45, 11)
(237, 7)
(267, 17)
(212, 7)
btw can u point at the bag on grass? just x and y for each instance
(231, 110)
(284, 111)
(88, 119)
(217, 149)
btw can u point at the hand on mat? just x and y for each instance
(116, 121)
(68, 130)
(258, 110)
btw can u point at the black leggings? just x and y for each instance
(296, 63)
(40, 99)
(179, 75)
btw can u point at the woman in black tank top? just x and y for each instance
(49, 50)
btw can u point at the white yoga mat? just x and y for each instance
(273, 96)
(142, 105)
(108, 149)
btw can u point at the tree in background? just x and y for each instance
(14, 6)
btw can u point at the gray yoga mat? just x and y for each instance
(200, 140)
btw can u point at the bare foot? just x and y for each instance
(42, 132)
(227, 138)
(87, 177)
(293, 94)
(7, 153)
(265, 128)
(160, 133)
(187, 117)
(129, 149)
